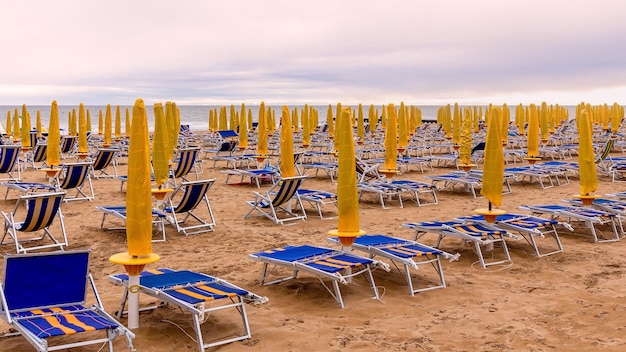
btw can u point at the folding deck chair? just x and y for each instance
(119, 212)
(38, 155)
(44, 295)
(75, 176)
(189, 196)
(278, 199)
(592, 218)
(529, 227)
(68, 145)
(10, 162)
(325, 263)
(452, 180)
(26, 188)
(477, 233)
(196, 293)
(416, 188)
(317, 198)
(186, 163)
(408, 253)
(384, 190)
(39, 211)
(104, 158)
(256, 175)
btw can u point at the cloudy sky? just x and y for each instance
(318, 52)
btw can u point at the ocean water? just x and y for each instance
(197, 116)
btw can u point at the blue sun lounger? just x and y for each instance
(44, 295)
(529, 227)
(317, 198)
(592, 218)
(325, 263)
(119, 212)
(195, 293)
(477, 233)
(409, 254)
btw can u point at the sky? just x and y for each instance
(198, 52)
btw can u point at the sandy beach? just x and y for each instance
(572, 301)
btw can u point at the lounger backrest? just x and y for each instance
(41, 210)
(8, 157)
(75, 175)
(186, 161)
(67, 144)
(606, 150)
(194, 192)
(227, 134)
(45, 280)
(103, 158)
(33, 139)
(41, 153)
(288, 188)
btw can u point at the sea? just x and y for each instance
(197, 116)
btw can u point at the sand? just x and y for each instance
(572, 301)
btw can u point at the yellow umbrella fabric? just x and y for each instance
(457, 121)
(170, 120)
(506, 119)
(306, 127)
(465, 150)
(223, 121)
(330, 122)
(16, 126)
(243, 128)
(493, 172)
(360, 127)
(372, 119)
(38, 123)
(160, 150)
(127, 125)
(25, 127)
(88, 121)
(118, 122)
(53, 152)
(347, 193)
(138, 196)
(262, 145)
(287, 164)
(107, 125)
(9, 129)
(82, 129)
(100, 126)
(586, 158)
(391, 139)
(533, 132)
(403, 129)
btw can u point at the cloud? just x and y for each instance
(323, 51)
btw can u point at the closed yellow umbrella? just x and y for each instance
(243, 128)
(330, 122)
(306, 128)
(391, 143)
(465, 149)
(271, 121)
(347, 193)
(138, 210)
(616, 119)
(294, 121)
(533, 135)
(38, 123)
(82, 130)
(403, 129)
(127, 123)
(234, 121)
(53, 152)
(88, 121)
(9, 127)
(287, 164)
(160, 150)
(262, 145)
(373, 119)
(586, 160)
(506, 119)
(25, 128)
(172, 135)
(519, 119)
(456, 125)
(493, 171)
(107, 126)
(360, 126)
(543, 122)
(337, 130)
(100, 125)
(118, 123)
(223, 121)
(16, 126)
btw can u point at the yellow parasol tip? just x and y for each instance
(587, 199)
(467, 167)
(346, 237)
(532, 159)
(133, 264)
(159, 193)
(490, 215)
(389, 173)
